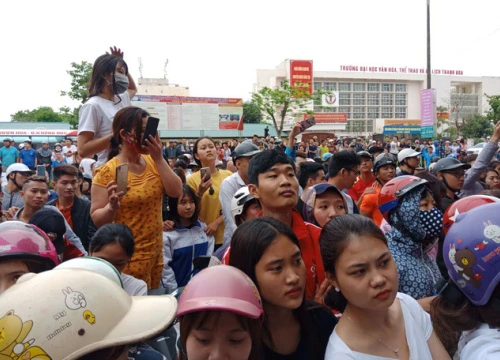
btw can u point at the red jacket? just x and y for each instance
(308, 235)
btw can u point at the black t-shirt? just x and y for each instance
(324, 321)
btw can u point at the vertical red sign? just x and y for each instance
(301, 72)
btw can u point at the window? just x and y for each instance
(399, 99)
(369, 125)
(345, 99)
(358, 99)
(373, 99)
(387, 87)
(358, 86)
(359, 125)
(373, 112)
(400, 113)
(345, 109)
(358, 113)
(317, 86)
(330, 86)
(387, 113)
(373, 87)
(386, 99)
(344, 86)
(400, 87)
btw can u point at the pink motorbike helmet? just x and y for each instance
(21, 241)
(221, 288)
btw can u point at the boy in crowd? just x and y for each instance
(273, 182)
(343, 171)
(28, 155)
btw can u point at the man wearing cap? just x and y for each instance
(27, 155)
(451, 172)
(409, 160)
(8, 154)
(365, 179)
(172, 151)
(16, 177)
(241, 157)
(44, 156)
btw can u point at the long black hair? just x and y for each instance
(128, 119)
(112, 234)
(173, 202)
(248, 244)
(104, 66)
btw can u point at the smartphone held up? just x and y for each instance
(122, 178)
(151, 129)
(307, 123)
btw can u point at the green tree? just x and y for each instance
(42, 114)
(282, 101)
(251, 113)
(477, 126)
(494, 112)
(80, 80)
(70, 116)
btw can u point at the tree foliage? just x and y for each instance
(282, 101)
(46, 114)
(494, 112)
(478, 126)
(80, 80)
(251, 113)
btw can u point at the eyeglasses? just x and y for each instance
(458, 174)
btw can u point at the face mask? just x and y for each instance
(121, 83)
(432, 222)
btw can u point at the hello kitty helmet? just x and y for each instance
(471, 252)
(463, 205)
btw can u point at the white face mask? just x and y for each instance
(121, 83)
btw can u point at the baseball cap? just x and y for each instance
(51, 221)
(18, 167)
(326, 156)
(74, 312)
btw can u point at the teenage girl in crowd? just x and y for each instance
(115, 244)
(268, 251)
(111, 89)
(322, 202)
(185, 242)
(492, 179)
(207, 188)
(226, 327)
(23, 248)
(149, 177)
(377, 321)
(470, 302)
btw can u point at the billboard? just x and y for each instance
(427, 107)
(402, 129)
(329, 117)
(301, 71)
(193, 113)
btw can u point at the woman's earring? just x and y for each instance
(337, 289)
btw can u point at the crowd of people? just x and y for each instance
(261, 249)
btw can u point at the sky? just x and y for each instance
(214, 47)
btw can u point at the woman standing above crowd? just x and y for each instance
(207, 188)
(111, 89)
(377, 321)
(149, 176)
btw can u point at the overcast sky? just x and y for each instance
(215, 47)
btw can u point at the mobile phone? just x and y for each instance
(40, 170)
(122, 178)
(307, 123)
(151, 128)
(205, 174)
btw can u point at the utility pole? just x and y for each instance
(428, 44)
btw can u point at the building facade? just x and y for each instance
(370, 93)
(160, 87)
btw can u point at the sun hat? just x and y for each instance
(68, 313)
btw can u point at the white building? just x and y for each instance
(160, 87)
(367, 93)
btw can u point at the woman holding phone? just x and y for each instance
(139, 207)
(206, 184)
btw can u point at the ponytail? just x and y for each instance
(114, 147)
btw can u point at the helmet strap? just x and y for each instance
(450, 291)
(15, 182)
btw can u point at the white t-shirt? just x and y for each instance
(134, 286)
(86, 165)
(96, 116)
(481, 343)
(71, 158)
(394, 148)
(418, 328)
